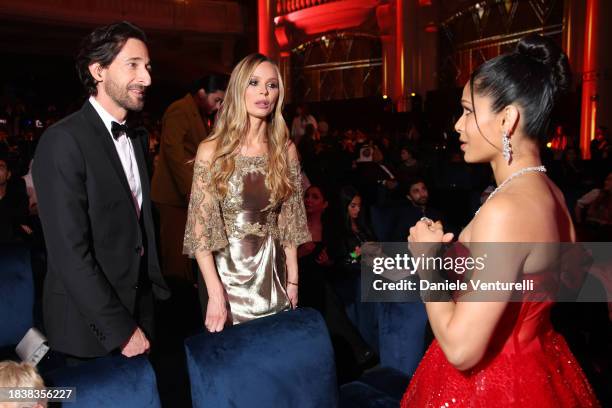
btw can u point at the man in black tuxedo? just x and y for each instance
(93, 198)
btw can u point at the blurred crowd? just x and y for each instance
(407, 168)
(361, 184)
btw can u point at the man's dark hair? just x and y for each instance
(5, 158)
(210, 83)
(102, 46)
(414, 180)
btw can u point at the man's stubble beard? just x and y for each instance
(122, 97)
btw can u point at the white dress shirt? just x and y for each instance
(125, 150)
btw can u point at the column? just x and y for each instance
(265, 28)
(285, 69)
(400, 96)
(415, 51)
(588, 112)
(596, 103)
(385, 18)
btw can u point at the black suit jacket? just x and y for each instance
(93, 235)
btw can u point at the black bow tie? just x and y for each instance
(117, 130)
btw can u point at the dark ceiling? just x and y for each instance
(36, 57)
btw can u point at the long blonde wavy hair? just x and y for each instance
(232, 126)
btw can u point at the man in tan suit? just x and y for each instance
(184, 126)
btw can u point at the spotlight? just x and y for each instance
(549, 145)
(385, 96)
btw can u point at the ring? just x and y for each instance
(429, 221)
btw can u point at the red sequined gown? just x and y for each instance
(527, 364)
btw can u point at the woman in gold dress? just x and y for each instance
(246, 216)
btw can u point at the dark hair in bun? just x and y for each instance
(534, 76)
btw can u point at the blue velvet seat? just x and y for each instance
(113, 381)
(387, 380)
(383, 220)
(382, 387)
(16, 297)
(401, 337)
(284, 360)
(357, 394)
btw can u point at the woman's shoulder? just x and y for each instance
(206, 150)
(292, 153)
(501, 219)
(521, 213)
(502, 207)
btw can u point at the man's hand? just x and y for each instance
(136, 345)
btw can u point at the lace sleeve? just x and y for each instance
(292, 219)
(205, 230)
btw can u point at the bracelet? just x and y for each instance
(292, 283)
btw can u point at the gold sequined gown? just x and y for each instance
(247, 233)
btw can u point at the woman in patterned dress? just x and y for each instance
(246, 216)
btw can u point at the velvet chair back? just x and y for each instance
(113, 381)
(284, 360)
(401, 335)
(16, 294)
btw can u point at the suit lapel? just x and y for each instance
(108, 147)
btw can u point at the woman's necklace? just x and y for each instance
(520, 172)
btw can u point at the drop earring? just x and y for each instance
(506, 148)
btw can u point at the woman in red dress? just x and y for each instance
(504, 353)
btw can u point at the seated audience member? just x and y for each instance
(317, 267)
(319, 224)
(414, 206)
(355, 228)
(26, 145)
(360, 140)
(323, 126)
(601, 148)
(376, 178)
(594, 210)
(20, 375)
(307, 150)
(5, 146)
(302, 118)
(348, 149)
(559, 142)
(13, 207)
(408, 168)
(571, 175)
(31, 191)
